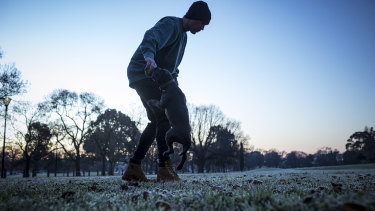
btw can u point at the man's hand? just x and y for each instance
(150, 66)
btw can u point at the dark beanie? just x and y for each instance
(199, 11)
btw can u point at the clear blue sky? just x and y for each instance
(298, 74)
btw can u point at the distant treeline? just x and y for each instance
(76, 143)
(74, 132)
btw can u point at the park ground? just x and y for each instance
(350, 187)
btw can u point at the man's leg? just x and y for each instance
(145, 141)
(145, 89)
(158, 126)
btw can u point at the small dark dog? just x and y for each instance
(173, 101)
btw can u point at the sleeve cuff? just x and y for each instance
(149, 55)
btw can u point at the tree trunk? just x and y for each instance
(35, 169)
(242, 158)
(78, 164)
(103, 165)
(27, 168)
(55, 166)
(151, 163)
(201, 164)
(111, 166)
(147, 166)
(155, 164)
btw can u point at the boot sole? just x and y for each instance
(133, 178)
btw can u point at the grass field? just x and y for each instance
(323, 188)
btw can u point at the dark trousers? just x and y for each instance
(157, 127)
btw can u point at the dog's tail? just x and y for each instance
(185, 148)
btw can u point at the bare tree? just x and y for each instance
(58, 137)
(14, 156)
(138, 114)
(326, 156)
(28, 130)
(73, 113)
(11, 82)
(202, 121)
(151, 159)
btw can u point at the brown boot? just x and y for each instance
(134, 172)
(169, 166)
(164, 175)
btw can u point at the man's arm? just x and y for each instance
(162, 34)
(150, 66)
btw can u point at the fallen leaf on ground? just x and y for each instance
(146, 194)
(307, 199)
(124, 187)
(135, 184)
(68, 196)
(163, 204)
(135, 198)
(257, 182)
(336, 187)
(349, 206)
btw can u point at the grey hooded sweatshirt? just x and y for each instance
(165, 43)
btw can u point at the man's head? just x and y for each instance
(197, 17)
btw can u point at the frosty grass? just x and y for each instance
(326, 188)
